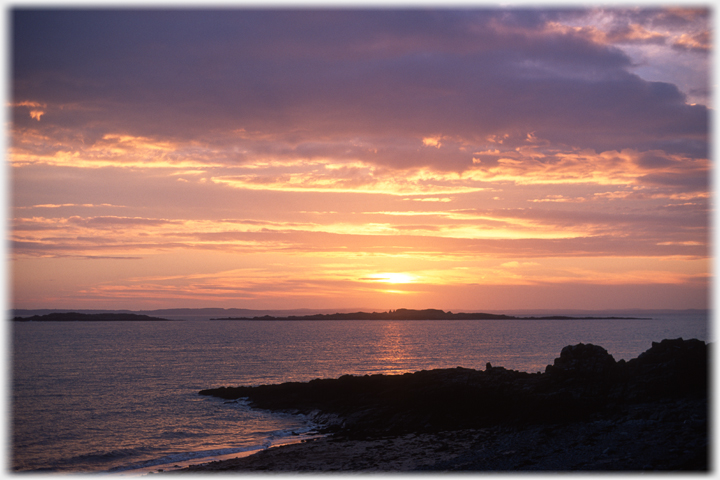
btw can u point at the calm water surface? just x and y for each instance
(122, 396)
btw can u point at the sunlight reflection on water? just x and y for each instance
(91, 396)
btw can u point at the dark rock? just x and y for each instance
(585, 384)
(585, 360)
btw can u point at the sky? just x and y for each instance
(469, 159)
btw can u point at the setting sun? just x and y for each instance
(395, 219)
(282, 186)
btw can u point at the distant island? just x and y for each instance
(90, 317)
(427, 314)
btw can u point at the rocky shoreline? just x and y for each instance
(585, 412)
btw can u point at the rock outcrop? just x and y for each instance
(585, 391)
(583, 360)
(585, 379)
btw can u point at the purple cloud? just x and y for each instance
(333, 75)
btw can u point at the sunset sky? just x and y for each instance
(467, 159)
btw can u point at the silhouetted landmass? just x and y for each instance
(585, 412)
(182, 313)
(409, 314)
(564, 317)
(90, 317)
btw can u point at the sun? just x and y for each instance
(389, 277)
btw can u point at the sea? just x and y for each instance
(121, 398)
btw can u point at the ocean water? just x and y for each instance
(122, 397)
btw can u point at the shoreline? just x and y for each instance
(201, 462)
(601, 444)
(586, 412)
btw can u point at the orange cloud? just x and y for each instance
(341, 179)
(527, 167)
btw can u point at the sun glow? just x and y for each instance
(292, 202)
(391, 277)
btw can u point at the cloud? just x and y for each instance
(516, 264)
(559, 199)
(353, 178)
(454, 233)
(66, 205)
(113, 221)
(699, 42)
(390, 79)
(466, 147)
